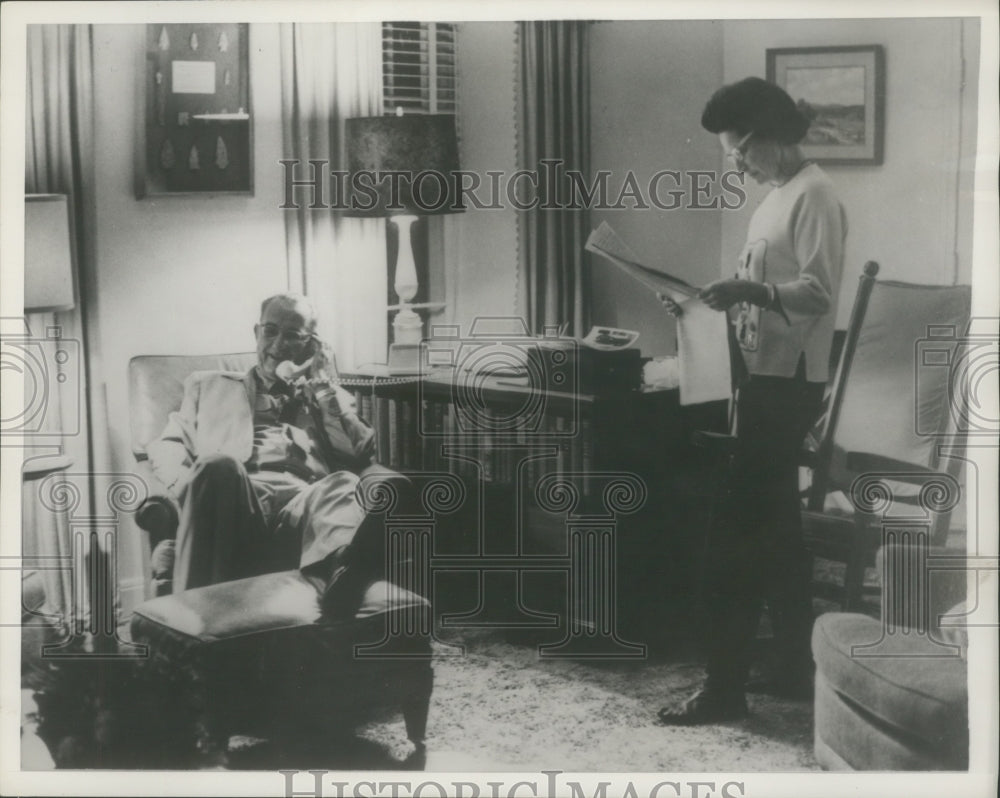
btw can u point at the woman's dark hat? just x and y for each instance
(753, 104)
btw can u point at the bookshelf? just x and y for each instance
(514, 432)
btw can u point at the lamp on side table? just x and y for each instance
(403, 167)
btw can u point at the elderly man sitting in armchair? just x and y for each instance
(264, 469)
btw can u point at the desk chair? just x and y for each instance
(887, 420)
(879, 456)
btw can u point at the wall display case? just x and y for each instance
(198, 119)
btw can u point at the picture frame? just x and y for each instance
(842, 89)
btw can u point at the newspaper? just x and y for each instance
(702, 341)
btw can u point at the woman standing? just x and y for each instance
(783, 302)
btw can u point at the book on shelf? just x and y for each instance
(424, 418)
(393, 424)
(560, 428)
(448, 444)
(365, 406)
(405, 421)
(381, 412)
(484, 450)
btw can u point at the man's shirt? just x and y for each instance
(285, 434)
(216, 418)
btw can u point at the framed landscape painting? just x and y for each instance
(842, 91)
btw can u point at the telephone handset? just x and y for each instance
(291, 372)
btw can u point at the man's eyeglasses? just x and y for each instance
(272, 331)
(738, 153)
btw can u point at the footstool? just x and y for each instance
(257, 656)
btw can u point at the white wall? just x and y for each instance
(969, 121)
(481, 245)
(649, 83)
(175, 273)
(904, 213)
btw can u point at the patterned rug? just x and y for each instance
(499, 707)
(502, 705)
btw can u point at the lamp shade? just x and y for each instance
(48, 255)
(422, 151)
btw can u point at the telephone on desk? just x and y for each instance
(594, 371)
(604, 362)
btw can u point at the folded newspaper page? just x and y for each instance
(702, 342)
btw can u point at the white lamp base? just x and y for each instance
(407, 327)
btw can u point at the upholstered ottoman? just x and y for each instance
(257, 656)
(906, 709)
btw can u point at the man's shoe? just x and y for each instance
(705, 706)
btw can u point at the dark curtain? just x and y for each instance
(554, 123)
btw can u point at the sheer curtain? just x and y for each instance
(330, 73)
(553, 286)
(59, 159)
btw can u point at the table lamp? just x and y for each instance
(48, 254)
(413, 160)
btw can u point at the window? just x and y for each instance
(418, 65)
(418, 68)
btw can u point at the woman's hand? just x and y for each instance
(723, 294)
(672, 307)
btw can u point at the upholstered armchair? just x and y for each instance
(892, 694)
(156, 387)
(271, 655)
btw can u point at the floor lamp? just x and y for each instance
(48, 258)
(402, 167)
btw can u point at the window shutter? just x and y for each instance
(418, 60)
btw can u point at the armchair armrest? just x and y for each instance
(866, 462)
(381, 473)
(159, 515)
(913, 481)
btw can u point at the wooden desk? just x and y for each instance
(421, 423)
(518, 451)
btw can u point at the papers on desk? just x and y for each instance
(702, 341)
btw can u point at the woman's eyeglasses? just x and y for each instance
(739, 153)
